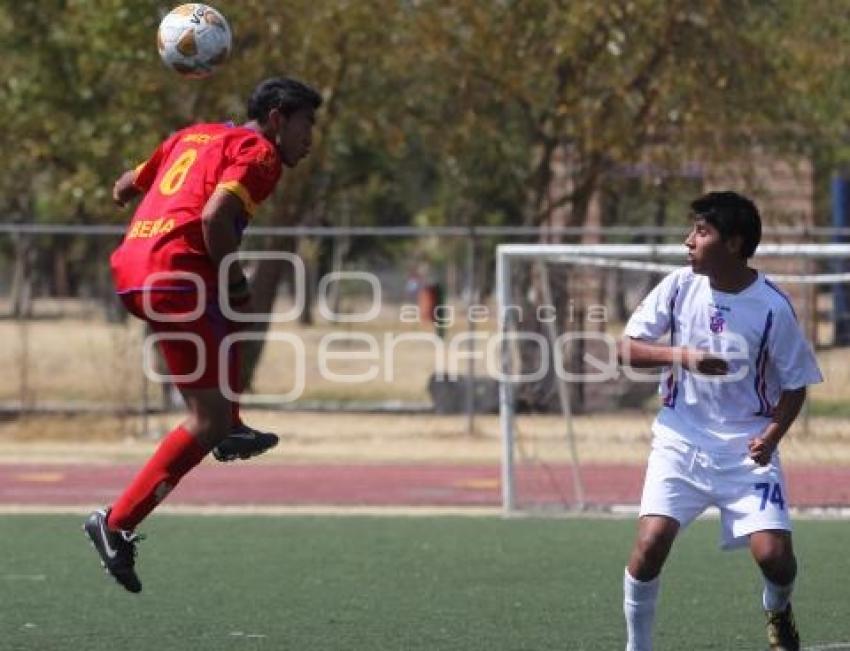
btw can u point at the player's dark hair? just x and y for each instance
(731, 214)
(282, 93)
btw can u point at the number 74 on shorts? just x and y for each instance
(770, 492)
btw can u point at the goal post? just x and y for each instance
(802, 267)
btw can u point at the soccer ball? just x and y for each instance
(194, 39)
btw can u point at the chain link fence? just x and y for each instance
(396, 320)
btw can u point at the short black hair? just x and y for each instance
(731, 214)
(282, 93)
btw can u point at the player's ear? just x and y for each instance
(734, 244)
(275, 118)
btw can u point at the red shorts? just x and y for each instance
(190, 346)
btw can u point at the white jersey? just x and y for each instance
(755, 331)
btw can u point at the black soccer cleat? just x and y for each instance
(243, 443)
(782, 630)
(117, 549)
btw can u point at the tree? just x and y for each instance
(589, 86)
(451, 112)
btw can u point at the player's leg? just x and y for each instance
(180, 451)
(655, 536)
(753, 513)
(111, 530)
(774, 552)
(641, 581)
(670, 501)
(243, 442)
(191, 350)
(193, 364)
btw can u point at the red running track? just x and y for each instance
(370, 485)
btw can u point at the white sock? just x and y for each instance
(776, 597)
(639, 599)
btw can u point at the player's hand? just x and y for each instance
(705, 363)
(761, 449)
(116, 197)
(123, 191)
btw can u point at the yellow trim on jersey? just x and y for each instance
(235, 187)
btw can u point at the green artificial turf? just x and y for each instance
(394, 583)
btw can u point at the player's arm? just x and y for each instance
(124, 189)
(644, 354)
(652, 320)
(219, 219)
(135, 182)
(784, 414)
(793, 360)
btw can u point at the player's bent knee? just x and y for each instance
(774, 553)
(648, 557)
(649, 554)
(771, 544)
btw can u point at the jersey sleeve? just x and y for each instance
(790, 353)
(252, 171)
(145, 173)
(652, 318)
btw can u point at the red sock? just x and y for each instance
(178, 453)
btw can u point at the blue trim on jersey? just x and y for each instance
(765, 407)
(672, 384)
(783, 295)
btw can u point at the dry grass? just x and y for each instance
(374, 438)
(89, 359)
(77, 358)
(92, 360)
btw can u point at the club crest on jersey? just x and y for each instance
(716, 323)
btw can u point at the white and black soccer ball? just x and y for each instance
(194, 39)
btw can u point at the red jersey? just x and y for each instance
(165, 233)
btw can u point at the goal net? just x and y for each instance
(575, 427)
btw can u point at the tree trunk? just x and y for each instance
(569, 289)
(308, 250)
(61, 279)
(21, 294)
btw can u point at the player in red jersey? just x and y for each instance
(201, 186)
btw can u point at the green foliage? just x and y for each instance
(460, 109)
(620, 82)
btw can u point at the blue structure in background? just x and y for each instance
(841, 291)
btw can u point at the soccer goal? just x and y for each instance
(575, 427)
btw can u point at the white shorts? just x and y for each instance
(682, 481)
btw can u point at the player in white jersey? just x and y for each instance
(736, 366)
